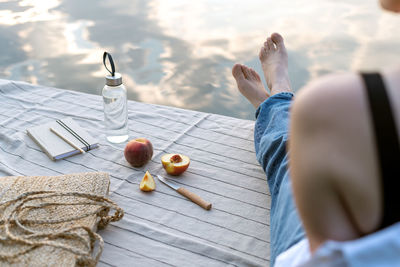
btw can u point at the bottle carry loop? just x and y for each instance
(112, 71)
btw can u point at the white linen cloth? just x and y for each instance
(161, 228)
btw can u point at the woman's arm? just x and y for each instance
(332, 161)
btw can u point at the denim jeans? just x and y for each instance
(270, 138)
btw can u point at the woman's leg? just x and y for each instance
(270, 137)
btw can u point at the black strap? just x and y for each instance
(112, 71)
(388, 147)
(77, 136)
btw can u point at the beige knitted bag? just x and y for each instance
(52, 220)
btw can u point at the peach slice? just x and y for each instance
(147, 183)
(175, 164)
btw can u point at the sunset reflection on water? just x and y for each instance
(180, 53)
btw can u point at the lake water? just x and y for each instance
(180, 53)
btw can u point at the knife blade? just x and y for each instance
(186, 193)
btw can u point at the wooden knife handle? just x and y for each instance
(195, 198)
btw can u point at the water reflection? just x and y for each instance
(179, 52)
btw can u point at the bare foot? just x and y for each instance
(274, 61)
(249, 84)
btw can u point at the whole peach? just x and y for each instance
(138, 152)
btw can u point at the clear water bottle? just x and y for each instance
(115, 105)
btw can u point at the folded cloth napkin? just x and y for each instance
(51, 220)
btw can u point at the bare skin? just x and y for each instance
(249, 84)
(274, 61)
(333, 165)
(391, 5)
(333, 162)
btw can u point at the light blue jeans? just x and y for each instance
(270, 138)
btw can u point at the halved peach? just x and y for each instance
(175, 164)
(147, 183)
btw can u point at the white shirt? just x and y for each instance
(381, 249)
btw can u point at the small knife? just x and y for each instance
(186, 193)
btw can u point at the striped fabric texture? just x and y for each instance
(161, 228)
